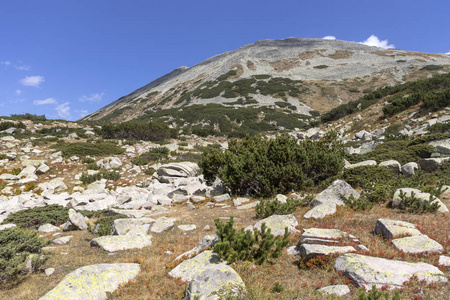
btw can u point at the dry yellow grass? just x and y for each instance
(299, 283)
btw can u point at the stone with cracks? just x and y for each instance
(277, 223)
(339, 290)
(366, 271)
(417, 244)
(322, 233)
(188, 268)
(391, 229)
(162, 224)
(93, 282)
(208, 282)
(113, 243)
(309, 251)
(181, 169)
(333, 194)
(207, 241)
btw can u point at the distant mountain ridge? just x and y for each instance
(292, 75)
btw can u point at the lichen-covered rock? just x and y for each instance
(125, 226)
(339, 290)
(187, 227)
(391, 229)
(76, 221)
(361, 164)
(277, 223)
(432, 164)
(366, 271)
(444, 261)
(322, 233)
(333, 194)
(188, 268)
(321, 211)
(409, 169)
(113, 243)
(162, 224)
(6, 226)
(309, 251)
(109, 163)
(417, 244)
(221, 198)
(48, 228)
(93, 282)
(392, 165)
(62, 240)
(215, 279)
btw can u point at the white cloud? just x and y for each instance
(19, 66)
(375, 41)
(34, 81)
(45, 101)
(97, 97)
(63, 110)
(448, 53)
(329, 37)
(22, 67)
(18, 92)
(5, 63)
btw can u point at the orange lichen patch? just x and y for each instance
(285, 64)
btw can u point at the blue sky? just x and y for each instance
(67, 58)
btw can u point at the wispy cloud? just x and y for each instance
(18, 92)
(63, 110)
(45, 101)
(97, 97)
(373, 40)
(34, 81)
(82, 112)
(19, 66)
(329, 37)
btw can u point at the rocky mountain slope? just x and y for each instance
(294, 76)
(92, 218)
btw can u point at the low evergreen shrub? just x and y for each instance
(34, 217)
(262, 167)
(88, 149)
(16, 244)
(267, 208)
(135, 130)
(414, 205)
(375, 294)
(257, 246)
(103, 225)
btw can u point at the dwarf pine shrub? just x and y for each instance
(375, 294)
(16, 244)
(34, 217)
(267, 208)
(262, 167)
(255, 246)
(416, 205)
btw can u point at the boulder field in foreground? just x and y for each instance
(93, 282)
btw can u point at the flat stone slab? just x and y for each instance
(366, 271)
(321, 211)
(309, 251)
(163, 224)
(187, 227)
(209, 281)
(418, 244)
(124, 226)
(391, 229)
(248, 206)
(93, 282)
(339, 290)
(6, 226)
(113, 243)
(190, 267)
(323, 233)
(277, 223)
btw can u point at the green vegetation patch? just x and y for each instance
(33, 218)
(261, 167)
(82, 149)
(16, 244)
(135, 130)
